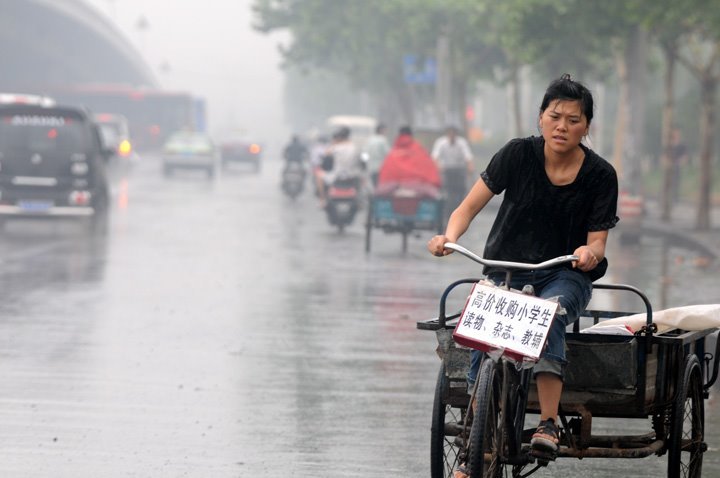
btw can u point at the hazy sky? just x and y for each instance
(210, 50)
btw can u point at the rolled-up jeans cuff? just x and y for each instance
(546, 365)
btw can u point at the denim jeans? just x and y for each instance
(573, 290)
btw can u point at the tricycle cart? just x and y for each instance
(404, 209)
(662, 377)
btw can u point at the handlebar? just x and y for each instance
(509, 265)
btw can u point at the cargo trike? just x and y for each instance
(661, 377)
(405, 209)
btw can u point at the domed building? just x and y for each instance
(50, 43)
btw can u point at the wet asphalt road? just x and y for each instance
(221, 330)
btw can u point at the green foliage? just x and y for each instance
(365, 40)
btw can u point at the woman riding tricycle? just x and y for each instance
(560, 198)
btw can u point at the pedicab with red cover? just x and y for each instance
(404, 208)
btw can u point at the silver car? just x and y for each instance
(190, 150)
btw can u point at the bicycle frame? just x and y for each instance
(513, 397)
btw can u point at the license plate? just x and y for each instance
(343, 207)
(35, 206)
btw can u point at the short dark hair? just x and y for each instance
(406, 130)
(567, 89)
(342, 132)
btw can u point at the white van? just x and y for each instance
(361, 127)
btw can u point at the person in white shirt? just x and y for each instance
(377, 148)
(453, 156)
(345, 162)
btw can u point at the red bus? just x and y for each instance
(153, 114)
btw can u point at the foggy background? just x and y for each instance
(209, 49)
(217, 326)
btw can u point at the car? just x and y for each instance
(52, 163)
(190, 150)
(115, 134)
(26, 98)
(239, 148)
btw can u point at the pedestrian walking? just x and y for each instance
(454, 158)
(376, 148)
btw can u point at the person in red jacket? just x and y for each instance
(406, 164)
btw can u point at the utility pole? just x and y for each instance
(444, 79)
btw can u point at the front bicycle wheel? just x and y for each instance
(486, 443)
(446, 431)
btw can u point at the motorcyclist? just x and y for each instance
(345, 163)
(295, 152)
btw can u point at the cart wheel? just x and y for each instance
(486, 431)
(687, 428)
(445, 431)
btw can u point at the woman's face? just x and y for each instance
(563, 125)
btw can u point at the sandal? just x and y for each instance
(461, 472)
(546, 436)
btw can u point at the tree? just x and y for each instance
(702, 59)
(467, 50)
(668, 23)
(597, 31)
(366, 41)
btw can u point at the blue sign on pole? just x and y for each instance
(419, 70)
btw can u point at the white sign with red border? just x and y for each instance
(496, 318)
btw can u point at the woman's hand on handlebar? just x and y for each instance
(587, 260)
(436, 246)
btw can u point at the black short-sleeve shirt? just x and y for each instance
(537, 220)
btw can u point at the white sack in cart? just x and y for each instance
(689, 317)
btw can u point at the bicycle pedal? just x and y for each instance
(543, 457)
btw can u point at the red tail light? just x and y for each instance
(79, 198)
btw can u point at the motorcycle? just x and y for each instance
(293, 179)
(343, 201)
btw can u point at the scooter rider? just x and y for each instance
(345, 163)
(295, 151)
